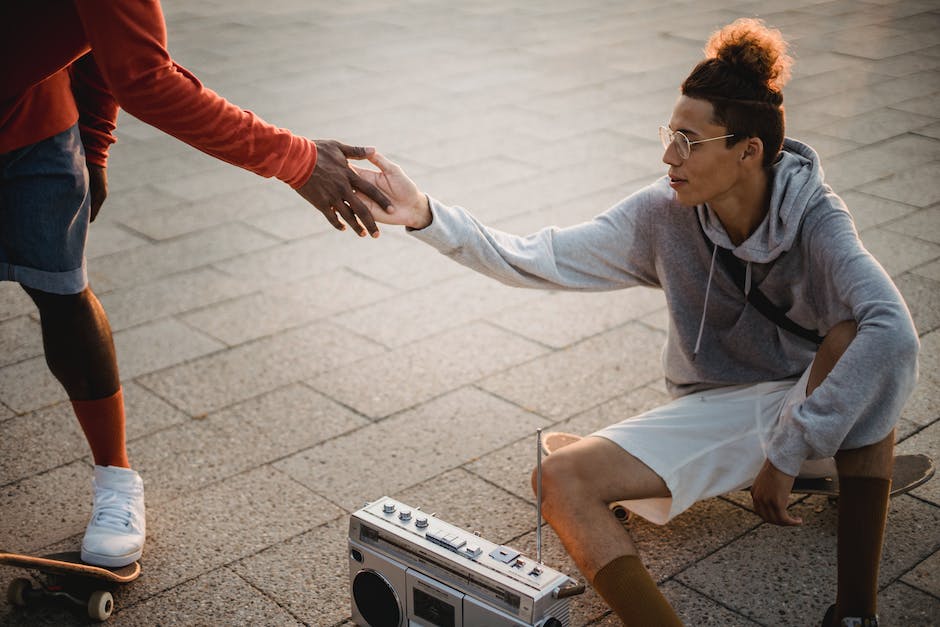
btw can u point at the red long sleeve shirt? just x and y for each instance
(78, 60)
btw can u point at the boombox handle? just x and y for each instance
(573, 589)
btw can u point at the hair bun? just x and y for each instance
(753, 51)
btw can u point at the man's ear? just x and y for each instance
(753, 149)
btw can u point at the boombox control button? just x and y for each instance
(421, 522)
(472, 551)
(518, 564)
(504, 554)
(388, 508)
(447, 540)
(535, 572)
(404, 515)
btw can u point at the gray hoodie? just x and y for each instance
(805, 256)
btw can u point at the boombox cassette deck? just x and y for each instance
(408, 568)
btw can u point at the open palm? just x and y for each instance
(409, 206)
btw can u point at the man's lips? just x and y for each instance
(675, 181)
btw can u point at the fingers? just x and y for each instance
(364, 215)
(382, 162)
(775, 512)
(356, 152)
(365, 187)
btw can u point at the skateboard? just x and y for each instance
(65, 576)
(910, 471)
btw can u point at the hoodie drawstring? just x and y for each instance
(747, 280)
(708, 287)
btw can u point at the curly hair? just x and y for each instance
(745, 68)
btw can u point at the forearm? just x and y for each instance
(129, 42)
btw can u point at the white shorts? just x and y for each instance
(708, 443)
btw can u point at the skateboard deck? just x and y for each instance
(910, 471)
(67, 577)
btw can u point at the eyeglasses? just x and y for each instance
(683, 145)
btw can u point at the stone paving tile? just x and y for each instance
(901, 187)
(105, 238)
(228, 377)
(900, 604)
(220, 524)
(929, 271)
(39, 441)
(14, 301)
(924, 224)
(869, 211)
(20, 338)
(559, 319)
(168, 296)
(29, 385)
(844, 172)
(926, 442)
(45, 507)
(898, 253)
(307, 257)
(693, 608)
(218, 209)
(926, 576)
(220, 596)
(290, 223)
(923, 299)
(586, 374)
(184, 253)
(740, 579)
(307, 574)
(425, 369)
(288, 305)
(409, 448)
(158, 345)
(415, 315)
(877, 125)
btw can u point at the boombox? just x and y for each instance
(408, 568)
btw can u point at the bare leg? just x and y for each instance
(77, 340)
(80, 353)
(578, 483)
(865, 483)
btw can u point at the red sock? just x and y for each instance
(102, 420)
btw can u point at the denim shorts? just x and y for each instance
(44, 214)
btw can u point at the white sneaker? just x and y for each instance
(115, 535)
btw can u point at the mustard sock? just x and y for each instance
(632, 594)
(863, 512)
(102, 420)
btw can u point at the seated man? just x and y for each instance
(756, 395)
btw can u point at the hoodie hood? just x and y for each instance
(797, 181)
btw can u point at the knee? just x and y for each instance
(560, 478)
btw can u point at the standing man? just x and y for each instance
(67, 67)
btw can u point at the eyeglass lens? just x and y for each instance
(668, 136)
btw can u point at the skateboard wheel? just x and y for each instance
(16, 591)
(100, 605)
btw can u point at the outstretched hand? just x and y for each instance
(771, 493)
(338, 192)
(409, 205)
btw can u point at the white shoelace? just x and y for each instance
(113, 509)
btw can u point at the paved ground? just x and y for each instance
(279, 374)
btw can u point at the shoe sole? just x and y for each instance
(110, 561)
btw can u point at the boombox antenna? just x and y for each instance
(538, 495)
